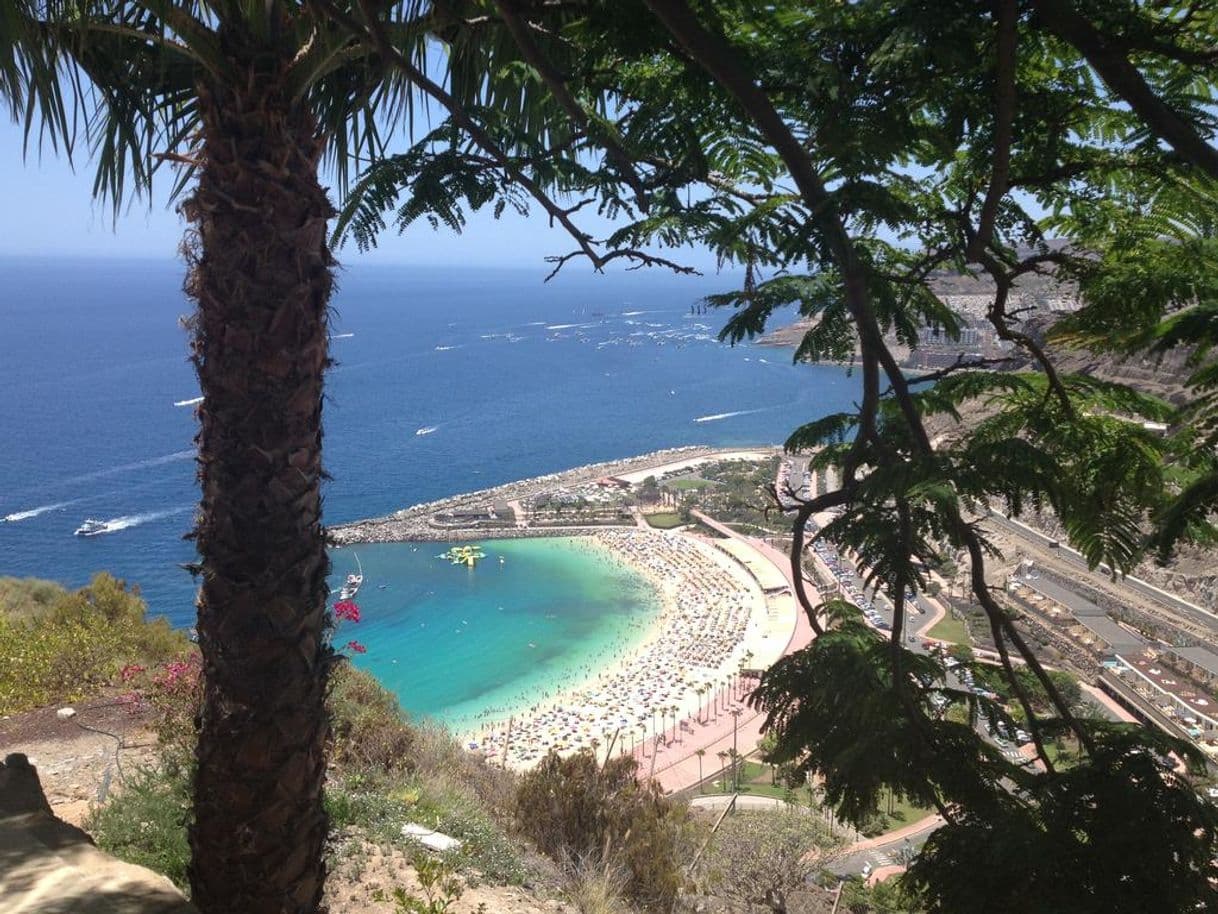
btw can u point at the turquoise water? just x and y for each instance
(459, 645)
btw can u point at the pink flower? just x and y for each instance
(356, 647)
(130, 671)
(346, 610)
(132, 701)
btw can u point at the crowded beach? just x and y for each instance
(713, 618)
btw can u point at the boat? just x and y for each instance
(426, 429)
(353, 583)
(92, 527)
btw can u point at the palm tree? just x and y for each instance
(700, 753)
(248, 98)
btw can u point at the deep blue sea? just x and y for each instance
(512, 376)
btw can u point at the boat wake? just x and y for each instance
(426, 429)
(127, 521)
(446, 348)
(126, 468)
(342, 336)
(715, 417)
(193, 402)
(19, 516)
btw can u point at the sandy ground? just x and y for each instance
(365, 870)
(77, 764)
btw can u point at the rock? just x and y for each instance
(428, 838)
(65, 713)
(50, 865)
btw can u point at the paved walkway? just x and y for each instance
(744, 801)
(676, 766)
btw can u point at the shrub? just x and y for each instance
(62, 646)
(379, 805)
(575, 809)
(388, 773)
(595, 888)
(173, 692)
(368, 729)
(760, 858)
(145, 822)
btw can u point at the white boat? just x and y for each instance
(92, 527)
(426, 429)
(353, 583)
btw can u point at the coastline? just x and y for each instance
(711, 612)
(714, 617)
(526, 707)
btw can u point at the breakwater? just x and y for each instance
(417, 521)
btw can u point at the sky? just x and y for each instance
(51, 213)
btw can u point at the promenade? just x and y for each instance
(675, 763)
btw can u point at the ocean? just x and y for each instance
(447, 379)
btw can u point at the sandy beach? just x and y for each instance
(714, 620)
(720, 613)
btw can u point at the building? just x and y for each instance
(1199, 664)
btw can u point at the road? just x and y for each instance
(1190, 611)
(893, 849)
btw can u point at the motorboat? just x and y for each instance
(92, 527)
(354, 581)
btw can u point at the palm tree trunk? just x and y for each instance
(261, 276)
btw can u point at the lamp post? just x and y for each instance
(735, 756)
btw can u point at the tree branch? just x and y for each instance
(1127, 82)
(1004, 119)
(555, 82)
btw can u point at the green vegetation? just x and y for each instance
(387, 773)
(894, 812)
(61, 645)
(577, 807)
(758, 779)
(951, 629)
(841, 154)
(439, 889)
(740, 496)
(1066, 683)
(688, 484)
(893, 896)
(145, 822)
(390, 772)
(665, 520)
